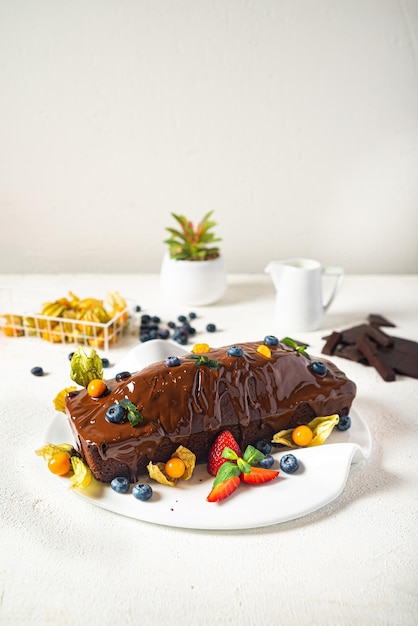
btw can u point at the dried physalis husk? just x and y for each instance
(157, 472)
(116, 302)
(47, 451)
(82, 473)
(321, 428)
(189, 460)
(59, 400)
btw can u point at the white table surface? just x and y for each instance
(64, 561)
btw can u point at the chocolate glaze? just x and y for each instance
(180, 403)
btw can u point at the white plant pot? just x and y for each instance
(195, 283)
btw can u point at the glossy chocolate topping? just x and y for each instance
(178, 402)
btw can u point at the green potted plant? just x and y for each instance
(192, 271)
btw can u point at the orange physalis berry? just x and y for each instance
(200, 348)
(96, 388)
(264, 350)
(59, 463)
(175, 467)
(302, 435)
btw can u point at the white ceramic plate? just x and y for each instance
(321, 478)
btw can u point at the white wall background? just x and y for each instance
(295, 120)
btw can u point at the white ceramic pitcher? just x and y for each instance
(299, 302)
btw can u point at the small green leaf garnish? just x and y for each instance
(244, 466)
(291, 343)
(204, 360)
(134, 416)
(228, 453)
(227, 470)
(252, 455)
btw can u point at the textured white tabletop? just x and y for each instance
(354, 561)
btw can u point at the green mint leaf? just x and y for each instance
(227, 453)
(253, 456)
(291, 343)
(204, 360)
(227, 470)
(302, 350)
(134, 416)
(244, 466)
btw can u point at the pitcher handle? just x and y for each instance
(338, 272)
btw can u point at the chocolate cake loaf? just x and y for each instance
(250, 390)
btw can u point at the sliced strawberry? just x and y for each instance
(258, 475)
(215, 458)
(224, 489)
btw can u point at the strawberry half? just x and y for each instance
(215, 458)
(258, 475)
(224, 489)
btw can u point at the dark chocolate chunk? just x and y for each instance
(352, 353)
(379, 336)
(390, 355)
(379, 320)
(332, 342)
(371, 352)
(350, 335)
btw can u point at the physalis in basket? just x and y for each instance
(70, 319)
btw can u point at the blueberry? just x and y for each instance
(153, 334)
(120, 484)
(156, 319)
(37, 371)
(267, 462)
(192, 315)
(182, 318)
(264, 446)
(344, 422)
(164, 333)
(271, 340)
(142, 491)
(105, 362)
(171, 324)
(115, 414)
(319, 368)
(145, 337)
(172, 361)
(235, 351)
(122, 376)
(181, 335)
(137, 308)
(145, 319)
(211, 328)
(289, 463)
